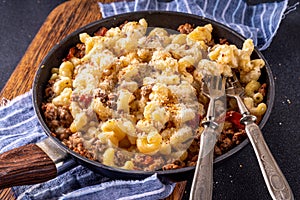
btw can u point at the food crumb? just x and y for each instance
(280, 123)
(3, 102)
(241, 165)
(289, 101)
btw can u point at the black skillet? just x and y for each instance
(43, 161)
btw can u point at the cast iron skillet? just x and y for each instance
(59, 153)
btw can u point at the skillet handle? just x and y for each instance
(25, 165)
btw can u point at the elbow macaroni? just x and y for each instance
(61, 84)
(64, 98)
(150, 144)
(258, 110)
(66, 69)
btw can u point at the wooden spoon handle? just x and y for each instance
(25, 165)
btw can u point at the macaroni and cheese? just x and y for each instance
(131, 96)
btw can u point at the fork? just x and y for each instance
(202, 186)
(276, 183)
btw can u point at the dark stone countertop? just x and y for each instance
(238, 177)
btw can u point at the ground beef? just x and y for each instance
(263, 89)
(175, 165)
(170, 166)
(223, 41)
(50, 112)
(108, 99)
(148, 163)
(65, 116)
(101, 31)
(146, 90)
(122, 25)
(58, 119)
(75, 143)
(78, 52)
(49, 93)
(238, 137)
(185, 28)
(229, 138)
(102, 95)
(217, 151)
(112, 101)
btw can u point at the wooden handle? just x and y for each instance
(24, 166)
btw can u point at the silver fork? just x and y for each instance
(202, 186)
(276, 183)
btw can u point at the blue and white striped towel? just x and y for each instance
(258, 22)
(19, 126)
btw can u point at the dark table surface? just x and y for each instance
(239, 177)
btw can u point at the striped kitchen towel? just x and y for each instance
(258, 22)
(19, 126)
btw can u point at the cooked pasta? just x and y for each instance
(133, 94)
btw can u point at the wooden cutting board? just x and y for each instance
(62, 21)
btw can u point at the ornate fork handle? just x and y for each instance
(202, 186)
(277, 185)
(274, 178)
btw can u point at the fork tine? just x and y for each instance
(214, 88)
(215, 83)
(233, 86)
(234, 81)
(236, 90)
(211, 80)
(222, 84)
(207, 80)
